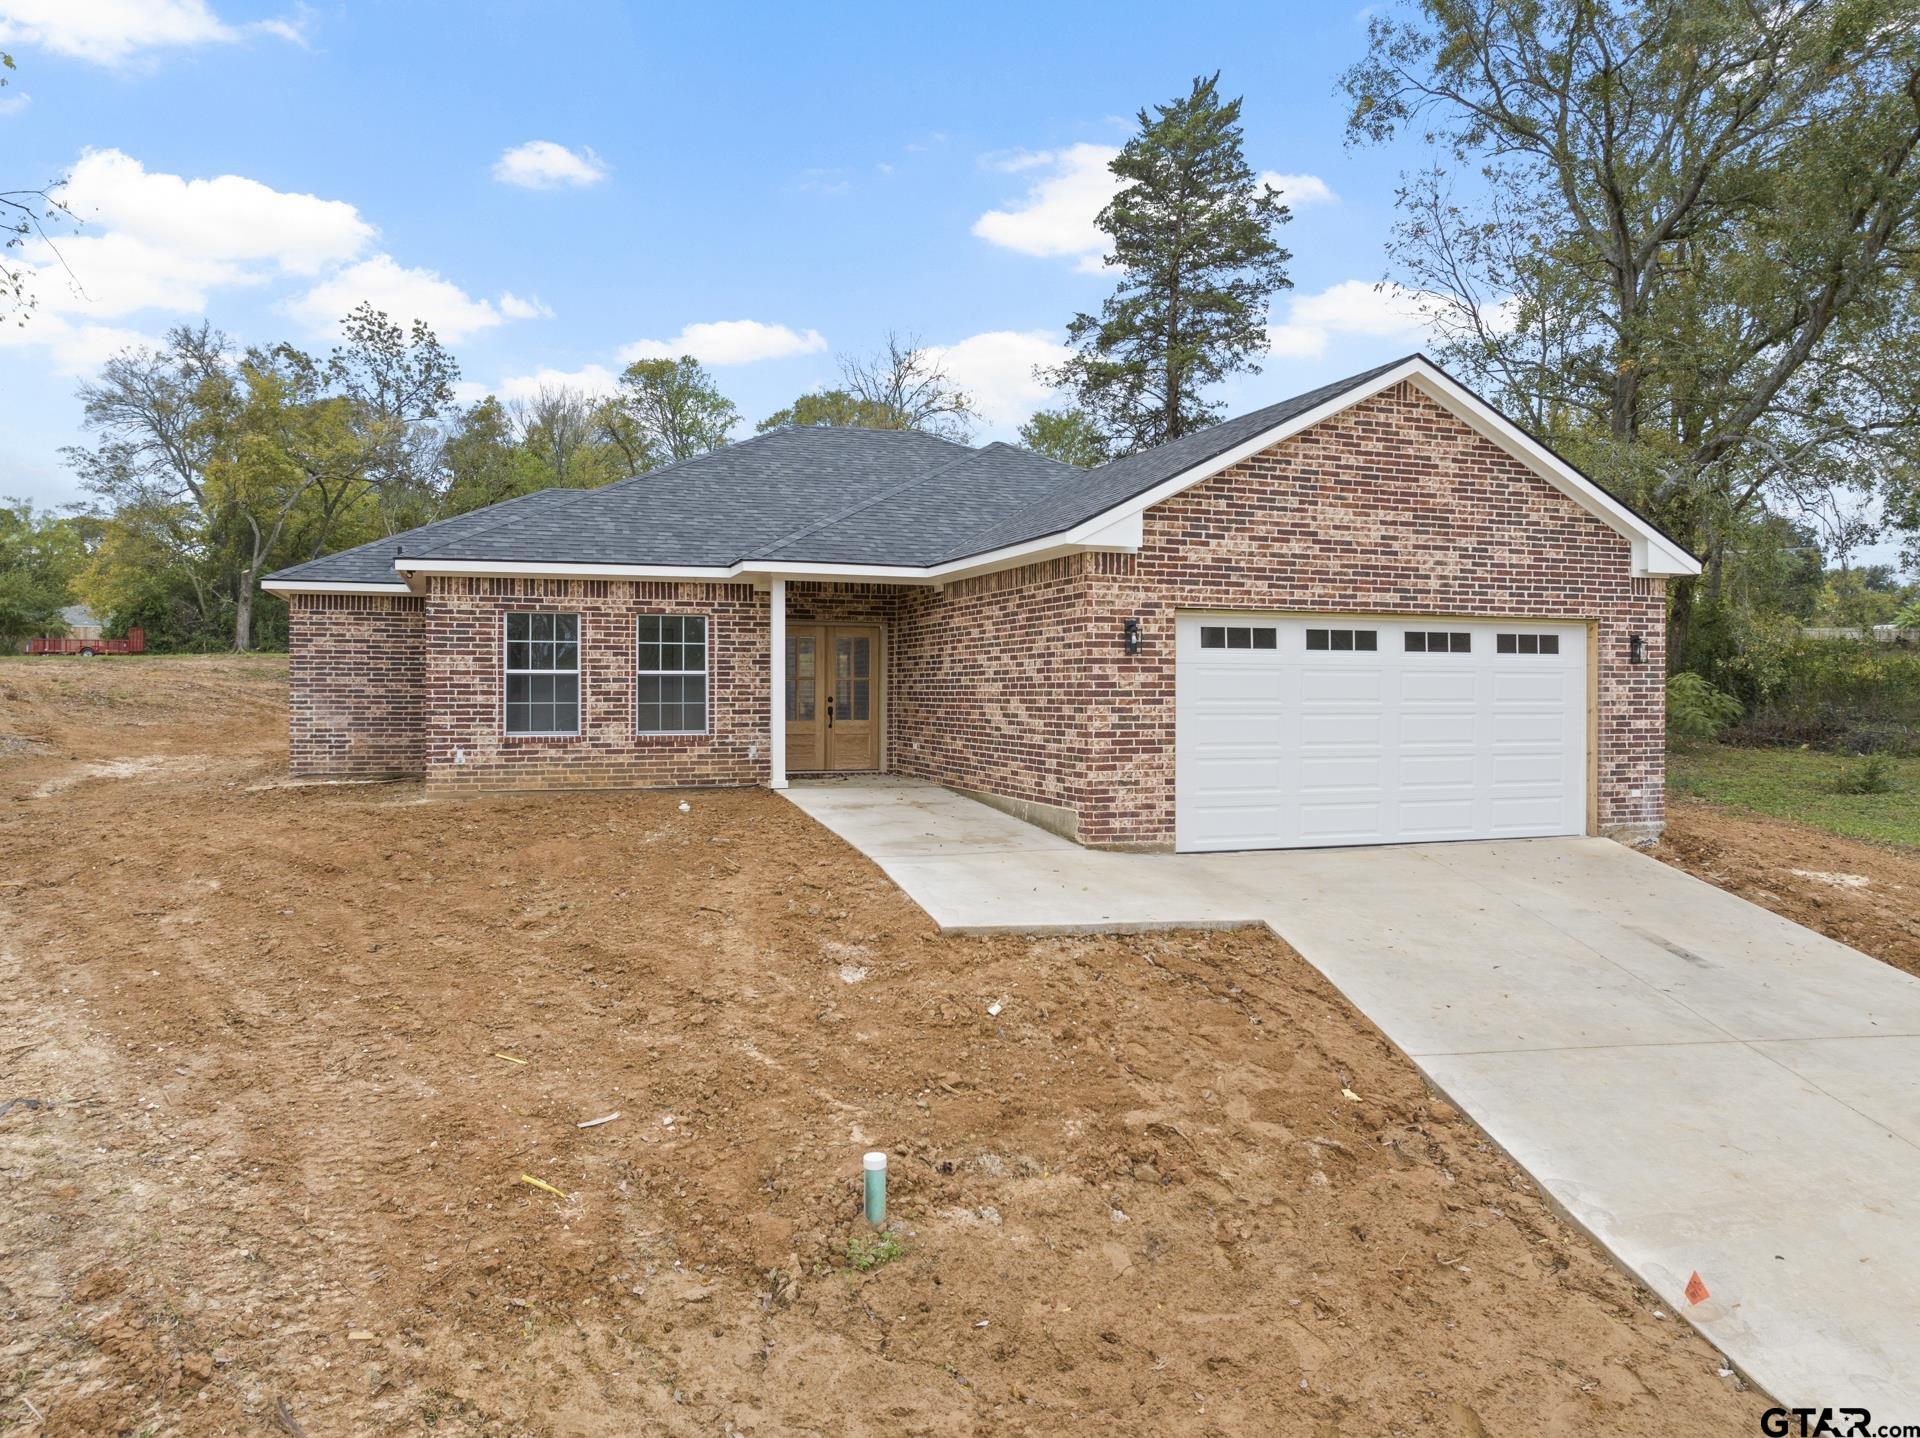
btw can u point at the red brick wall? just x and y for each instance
(466, 746)
(1016, 683)
(1395, 507)
(987, 683)
(355, 681)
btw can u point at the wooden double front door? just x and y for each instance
(834, 698)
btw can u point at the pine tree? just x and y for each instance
(1193, 234)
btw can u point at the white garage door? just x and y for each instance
(1296, 733)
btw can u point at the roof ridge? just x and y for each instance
(660, 469)
(766, 551)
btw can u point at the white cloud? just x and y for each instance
(1352, 307)
(996, 370)
(225, 219)
(544, 165)
(1056, 217)
(109, 32)
(515, 308)
(729, 342)
(159, 241)
(75, 349)
(1300, 191)
(590, 379)
(406, 293)
(14, 104)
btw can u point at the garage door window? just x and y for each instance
(1237, 636)
(1336, 639)
(1528, 644)
(1436, 641)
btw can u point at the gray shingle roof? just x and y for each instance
(811, 495)
(373, 563)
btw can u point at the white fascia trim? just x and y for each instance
(332, 586)
(1653, 552)
(1125, 533)
(713, 574)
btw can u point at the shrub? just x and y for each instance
(1872, 775)
(1843, 694)
(1696, 711)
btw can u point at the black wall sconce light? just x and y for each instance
(1130, 635)
(1636, 649)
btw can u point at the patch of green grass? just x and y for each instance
(1807, 787)
(869, 1253)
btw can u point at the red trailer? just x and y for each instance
(134, 643)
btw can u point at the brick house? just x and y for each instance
(1376, 612)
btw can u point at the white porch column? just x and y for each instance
(777, 685)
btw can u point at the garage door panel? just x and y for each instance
(1430, 686)
(1341, 681)
(1248, 827)
(1360, 772)
(1290, 747)
(1457, 728)
(1542, 726)
(1240, 684)
(1425, 771)
(1243, 732)
(1537, 686)
(1340, 728)
(1339, 823)
(1232, 774)
(1424, 820)
(1542, 766)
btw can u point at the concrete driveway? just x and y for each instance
(1703, 1085)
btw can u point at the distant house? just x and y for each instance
(1879, 633)
(81, 622)
(1377, 612)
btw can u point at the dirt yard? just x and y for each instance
(1863, 894)
(295, 1048)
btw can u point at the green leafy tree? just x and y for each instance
(562, 440)
(667, 410)
(1068, 435)
(1696, 711)
(396, 384)
(154, 414)
(902, 385)
(1862, 597)
(1194, 239)
(1677, 238)
(829, 409)
(482, 461)
(41, 557)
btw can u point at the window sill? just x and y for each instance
(541, 738)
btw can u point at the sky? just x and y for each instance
(559, 188)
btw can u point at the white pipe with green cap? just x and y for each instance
(875, 1165)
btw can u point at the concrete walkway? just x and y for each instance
(1700, 1083)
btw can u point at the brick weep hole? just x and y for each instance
(1016, 683)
